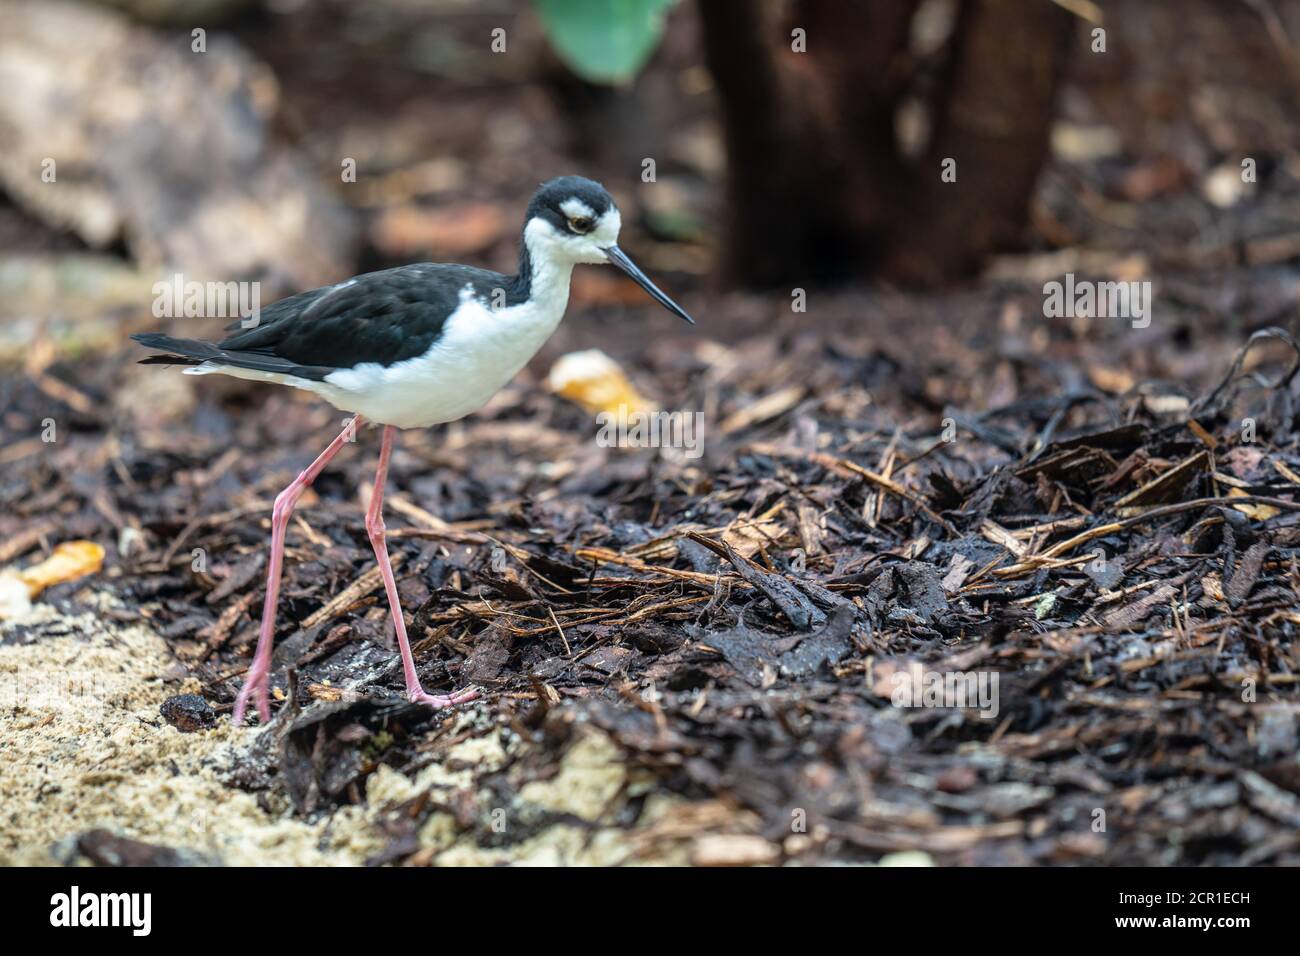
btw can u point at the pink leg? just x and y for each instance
(375, 528)
(256, 679)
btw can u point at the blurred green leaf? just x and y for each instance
(604, 41)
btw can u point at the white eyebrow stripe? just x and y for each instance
(575, 208)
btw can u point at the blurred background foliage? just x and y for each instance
(752, 145)
(604, 41)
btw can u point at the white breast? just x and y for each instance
(480, 350)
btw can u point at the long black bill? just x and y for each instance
(620, 259)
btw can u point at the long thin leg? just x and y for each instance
(258, 674)
(375, 529)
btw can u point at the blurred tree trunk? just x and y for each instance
(818, 186)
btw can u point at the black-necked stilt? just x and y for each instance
(407, 348)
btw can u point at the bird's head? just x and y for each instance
(575, 220)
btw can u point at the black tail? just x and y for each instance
(179, 351)
(195, 352)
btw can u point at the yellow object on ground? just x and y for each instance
(596, 382)
(70, 560)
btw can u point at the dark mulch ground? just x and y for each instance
(1075, 508)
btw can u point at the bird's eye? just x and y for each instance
(581, 224)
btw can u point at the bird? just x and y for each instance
(409, 347)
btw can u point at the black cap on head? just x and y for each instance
(552, 194)
(557, 190)
(572, 205)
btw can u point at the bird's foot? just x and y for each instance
(254, 686)
(419, 696)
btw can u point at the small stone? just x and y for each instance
(907, 858)
(188, 713)
(734, 849)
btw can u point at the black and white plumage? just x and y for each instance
(428, 343)
(404, 348)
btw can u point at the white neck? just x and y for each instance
(550, 271)
(550, 281)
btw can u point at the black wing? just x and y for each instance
(382, 317)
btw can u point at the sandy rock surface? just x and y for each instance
(85, 749)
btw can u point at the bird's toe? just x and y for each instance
(445, 700)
